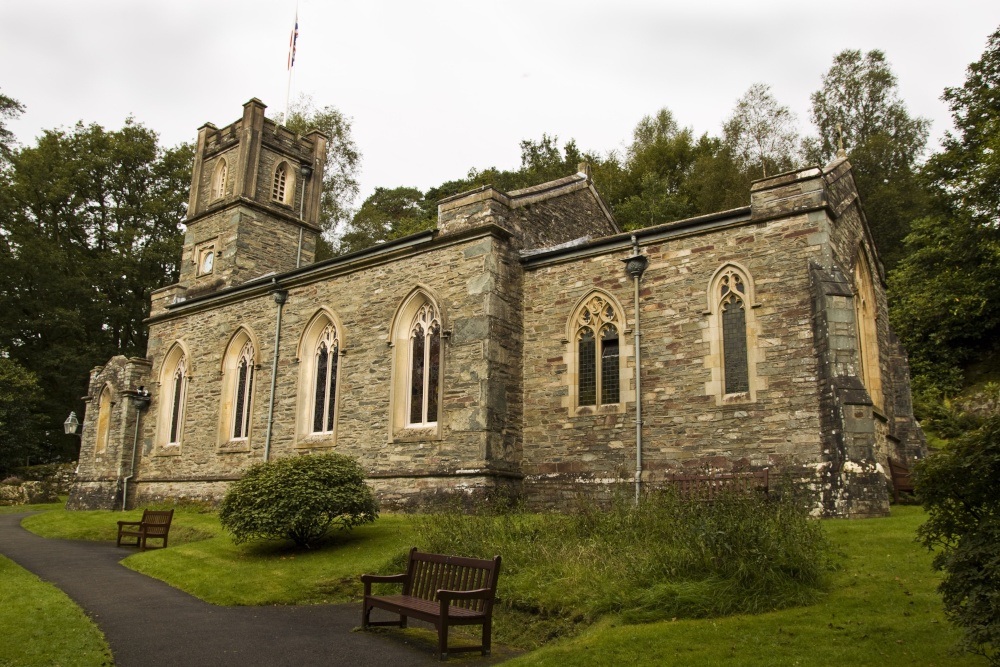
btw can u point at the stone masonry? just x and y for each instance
(508, 273)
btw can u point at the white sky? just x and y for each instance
(435, 87)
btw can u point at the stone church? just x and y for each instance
(526, 344)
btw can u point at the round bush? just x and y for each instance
(298, 498)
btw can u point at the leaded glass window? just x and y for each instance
(325, 397)
(244, 392)
(424, 367)
(597, 354)
(732, 291)
(178, 388)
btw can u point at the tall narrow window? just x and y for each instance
(867, 329)
(732, 305)
(424, 367)
(279, 191)
(103, 421)
(597, 353)
(243, 393)
(219, 179)
(178, 390)
(325, 385)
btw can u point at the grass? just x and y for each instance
(260, 573)
(881, 606)
(882, 609)
(42, 626)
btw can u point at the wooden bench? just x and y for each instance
(902, 479)
(443, 590)
(154, 524)
(709, 487)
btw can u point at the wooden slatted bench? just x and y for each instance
(902, 479)
(154, 524)
(439, 589)
(709, 487)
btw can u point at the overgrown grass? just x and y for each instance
(664, 558)
(42, 626)
(882, 609)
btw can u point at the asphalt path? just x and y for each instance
(146, 622)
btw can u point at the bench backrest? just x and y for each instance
(157, 522)
(429, 573)
(900, 473)
(708, 487)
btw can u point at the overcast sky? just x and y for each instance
(435, 87)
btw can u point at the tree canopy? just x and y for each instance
(90, 224)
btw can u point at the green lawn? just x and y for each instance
(881, 608)
(42, 626)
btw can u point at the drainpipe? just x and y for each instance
(141, 402)
(306, 170)
(280, 296)
(635, 266)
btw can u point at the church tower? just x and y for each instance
(254, 206)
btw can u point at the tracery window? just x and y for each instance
(243, 393)
(219, 179)
(325, 382)
(732, 334)
(178, 390)
(417, 338)
(424, 367)
(732, 306)
(598, 370)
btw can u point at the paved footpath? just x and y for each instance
(146, 622)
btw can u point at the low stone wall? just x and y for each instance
(96, 495)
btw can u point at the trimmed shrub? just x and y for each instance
(960, 489)
(298, 498)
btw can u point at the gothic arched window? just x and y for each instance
(865, 313)
(177, 391)
(283, 184)
(219, 179)
(424, 367)
(732, 307)
(325, 382)
(597, 353)
(243, 392)
(103, 421)
(732, 334)
(238, 379)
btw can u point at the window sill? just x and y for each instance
(315, 441)
(167, 450)
(417, 434)
(596, 410)
(234, 446)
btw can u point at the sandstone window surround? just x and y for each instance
(104, 404)
(732, 335)
(866, 317)
(418, 363)
(283, 183)
(320, 369)
(596, 356)
(219, 175)
(205, 256)
(173, 382)
(238, 375)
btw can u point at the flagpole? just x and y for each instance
(291, 61)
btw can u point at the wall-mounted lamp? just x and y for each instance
(71, 424)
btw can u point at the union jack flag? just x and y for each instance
(291, 42)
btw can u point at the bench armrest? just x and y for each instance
(369, 579)
(129, 523)
(476, 594)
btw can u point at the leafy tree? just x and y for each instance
(960, 489)
(298, 498)
(9, 109)
(944, 294)
(20, 396)
(386, 215)
(761, 133)
(859, 98)
(343, 160)
(90, 225)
